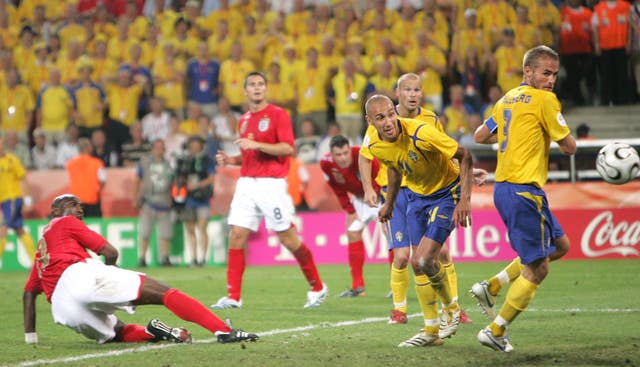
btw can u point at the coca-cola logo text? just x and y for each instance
(603, 236)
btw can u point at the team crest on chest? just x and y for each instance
(413, 156)
(263, 125)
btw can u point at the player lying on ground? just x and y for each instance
(84, 292)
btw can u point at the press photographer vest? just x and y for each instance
(156, 182)
(198, 172)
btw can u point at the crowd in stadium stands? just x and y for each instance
(126, 72)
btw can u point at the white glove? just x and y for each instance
(31, 338)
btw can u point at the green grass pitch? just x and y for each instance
(586, 313)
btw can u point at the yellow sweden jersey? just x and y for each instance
(11, 174)
(526, 119)
(424, 115)
(422, 153)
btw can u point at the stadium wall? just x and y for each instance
(602, 221)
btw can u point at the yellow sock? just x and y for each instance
(399, 284)
(450, 268)
(508, 274)
(518, 298)
(3, 243)
(440, 284)
(428, 303)
(28, 244)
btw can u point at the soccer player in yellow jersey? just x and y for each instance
(435, 202)
(13, 197)
(523, 123)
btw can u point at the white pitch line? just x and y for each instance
(284, 331)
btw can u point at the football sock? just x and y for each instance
(308, 267)
(28, 244)
(427, 298)
(132, 333)
(441, 286)
(508, 274)
(518, 298)
(191, 310)
(235, 270)
(399, 286)
(450, 268)
(356, 263)
(3, 243)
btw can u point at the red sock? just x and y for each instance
(356, 263)
(132, 333)
(189, 309)
(308, 267)
(392, 255)
(235, 270)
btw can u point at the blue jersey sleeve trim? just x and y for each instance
(491, 124)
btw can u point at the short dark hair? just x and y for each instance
(583, 130)
(255, 73)
(532, 56)
(338, 141)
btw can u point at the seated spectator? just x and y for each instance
(175, 141)
(207, 131)
(456, 115)
(43, 154)
(582, 132)
(18, 148)
(103, 150)
(226, 127)
(155, 124)
(333, 129)
(69, 147)
(495, 93)
(136, 147)
(307, 143)
(190, 125)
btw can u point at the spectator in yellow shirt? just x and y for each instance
(90, 98)
(16, 105)
(506, 64)
(311, 83)
(190, 126)
(349, 90)
(23, 53)
(493, 16)
(122, 99)
(38, 71)
(168, 79)
(55, 107)
(232, 74)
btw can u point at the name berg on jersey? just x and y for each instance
(522, 98)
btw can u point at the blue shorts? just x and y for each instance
(431, 216)
(12, 213)
(397, 225)
(531, 226)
